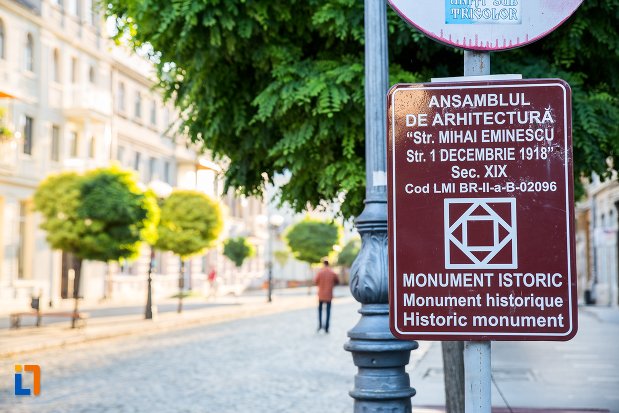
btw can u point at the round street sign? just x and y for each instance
(485, 24)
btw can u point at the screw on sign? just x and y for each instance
(485, 24)
(481, 211)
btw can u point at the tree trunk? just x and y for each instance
(310, 281)
(76, 290)
(108, 283)
(190, 278)
(181, 284)
(453, 372)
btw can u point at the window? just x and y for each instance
(92, 78)
(166, 171)
(55, 144)
(152, 168)
(24, 241)
(74, 144)
(73, 7)
(138, 105)
(153, 113)
(27, 135)
(121, 97)
(232, 205)
(160, 265)
(136, 161)
(74, 70)
(2, 36)
(29, 53)
(166, 118)
(120, 154)
(89, 11)
(92, 146)
(56, 66)
(126, 267)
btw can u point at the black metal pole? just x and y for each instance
(381, 384)
(181, 285)
(148, 313)
(270, 264)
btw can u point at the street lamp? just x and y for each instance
(161, 191)
(381, 383)
(274, 222)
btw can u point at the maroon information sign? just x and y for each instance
(481, 241)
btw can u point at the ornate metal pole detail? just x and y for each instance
(381, 384)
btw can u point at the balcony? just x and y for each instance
(87, 102)
(17, 84)
(8, 137)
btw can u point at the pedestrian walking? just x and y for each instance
(325, 279)
(212, 283)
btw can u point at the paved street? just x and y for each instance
(277, 363)
(273, 363)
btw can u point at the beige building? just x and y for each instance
(54, 71)
(597, 243)
(74, 102)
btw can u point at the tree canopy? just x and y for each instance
(311, 240)
(57, 198)
(190, 222)
(100, 215)
(348, 254)
(281, 257)
(238, 249)
(119, 214)
(276, 86)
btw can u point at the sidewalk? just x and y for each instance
(576, 376)
(108, 321)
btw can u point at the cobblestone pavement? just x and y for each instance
(275, 363)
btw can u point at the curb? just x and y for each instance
(441, 409)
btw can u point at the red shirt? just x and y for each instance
(325, 279)
(211, 276)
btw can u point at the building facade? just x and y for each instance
(54, 78)
(72, 100)
(598, 243)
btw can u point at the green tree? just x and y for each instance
(311, 240)
(238, 249)
(346, 257)
(57, 198)
(277, 86)
(281, 256)
(190, 222)
(119, 214)
(101, 215)
(348, 254)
